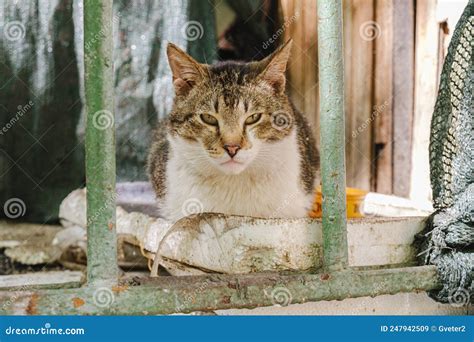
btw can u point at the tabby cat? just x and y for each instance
(233, 142)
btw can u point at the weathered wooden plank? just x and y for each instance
(359, 152)
(426, 60)
(403, 96)
(383, 96)
(41, 280)
(443, 43)
(348, 65)
(310, 68)
(294, 69)
(301, 25)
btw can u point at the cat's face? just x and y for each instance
(230, 114)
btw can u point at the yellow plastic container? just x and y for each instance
(355, 200)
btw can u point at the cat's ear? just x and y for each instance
(186, 71)
(275, 68)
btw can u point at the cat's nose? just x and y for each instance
(232, 149)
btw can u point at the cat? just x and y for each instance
(233, 142)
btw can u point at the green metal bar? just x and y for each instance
(333, 172)
(187, 294)
(100, 143)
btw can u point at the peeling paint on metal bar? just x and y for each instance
(100, 142)
(333, 171)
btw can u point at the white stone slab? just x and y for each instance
(235, 244)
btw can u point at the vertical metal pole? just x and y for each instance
(100, 143)
(331, 86)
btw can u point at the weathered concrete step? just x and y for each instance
(233, 244)
(38, 280)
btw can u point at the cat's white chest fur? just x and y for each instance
(269, 187)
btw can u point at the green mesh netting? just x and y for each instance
(448, 241)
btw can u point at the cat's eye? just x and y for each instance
(252, 119)
(209, 119)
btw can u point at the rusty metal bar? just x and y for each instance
(333, 171)
(100, 143)
(196, 293)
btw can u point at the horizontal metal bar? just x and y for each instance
(203, 293)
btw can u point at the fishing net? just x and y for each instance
(448, 241)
